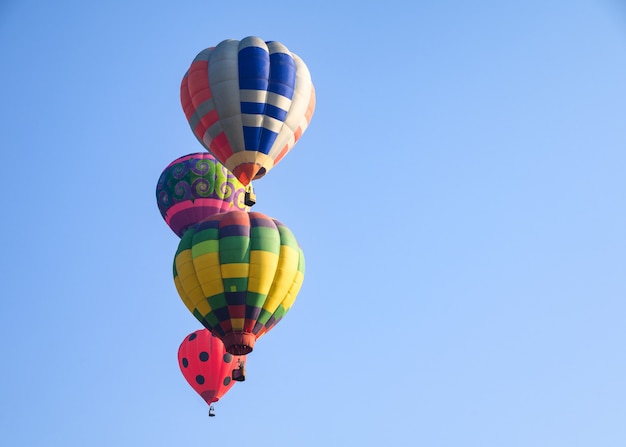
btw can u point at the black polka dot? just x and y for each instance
(228, 358)
(203, 356)
(226, 380)
(192, 336)
(200, 380)
(185, 362)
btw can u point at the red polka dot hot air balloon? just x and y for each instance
(208, 368)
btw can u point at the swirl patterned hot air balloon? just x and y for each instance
(206, 365)
(238, 273)
(248, 102)
(194, 187)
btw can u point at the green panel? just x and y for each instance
(208, 176)
(204, 247)
(301, 263)
(186, 241)
(264, 316)
(220, 179)
(255, 299)
(217, 301)
(207, 324)
(208, 234)
(211, 319)
(235, 284)
(287, 237)
(265, 239)
(280, 312)
(234, 250)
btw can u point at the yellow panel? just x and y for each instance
(285, 274)
(181, 293)
(237, 323)
(186, 282)
(209, 273)
(184, 265)
(183, 256)
(194, 295)
(212, 287)
(235, 270)
(293, 291)
(203, 307)
(262, 269)
(207, 261)
(187, 274)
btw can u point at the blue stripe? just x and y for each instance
(221, 314)
(275, 112)
(258, 139)
(236, 298)
(259, 108)
(257, 220)
(252, 313)
(282, 74)
(254, 68)
(206, 225)
(251, 136)
(234, 230)
(253, 108)
(267, 140)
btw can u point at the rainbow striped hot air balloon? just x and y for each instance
(238, 273)
(248, 102)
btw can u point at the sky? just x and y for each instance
(460, 198)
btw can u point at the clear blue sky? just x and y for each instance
(460, 197)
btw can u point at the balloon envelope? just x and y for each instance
(248, 102)
(238, 273)
(206, 365)
(194, 187)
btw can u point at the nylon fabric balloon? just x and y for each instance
(239, 273)
(206, 365)
(248, 102)
(194, 187)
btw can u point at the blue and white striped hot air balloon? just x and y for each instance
(248, 102)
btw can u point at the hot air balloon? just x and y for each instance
(196, 186)
(207, 367)
(248, 102)
(238, 273)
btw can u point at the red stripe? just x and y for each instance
(226, 326)
(282, 153)
(238, 311)
(248, 325)
(220, 147)
(235, 218)
(185, 98)
(209, 119)
(198, 81)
